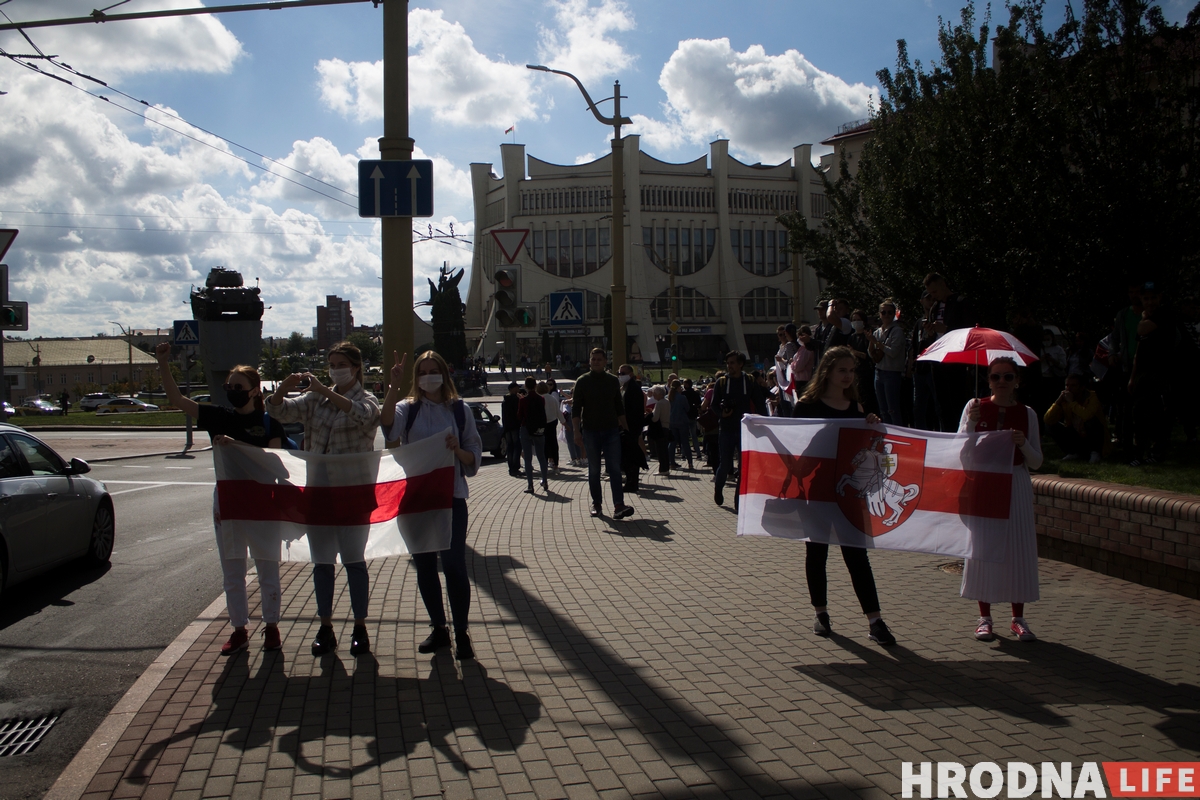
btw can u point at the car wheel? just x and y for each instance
(103, 534)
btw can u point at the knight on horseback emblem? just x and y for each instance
(878, 488)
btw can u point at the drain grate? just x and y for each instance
(20, 736)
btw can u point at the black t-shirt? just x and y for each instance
(249, 428)
(819, 410)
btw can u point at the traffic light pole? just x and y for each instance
(3, 299)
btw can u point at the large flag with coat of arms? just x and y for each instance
(299, 506)
(845, 482)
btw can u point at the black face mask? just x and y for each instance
(238, 397)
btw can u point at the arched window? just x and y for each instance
(760, 251)
(570, 251)
(690, 305)
(766, 303)
(678, 249)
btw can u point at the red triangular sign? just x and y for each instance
(6, 238)
(510, 241)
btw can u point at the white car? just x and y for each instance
(122, 405)
(50, 512)
(89, 402)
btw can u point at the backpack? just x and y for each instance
(535, 415)
(287, 442)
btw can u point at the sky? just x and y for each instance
(233, 139)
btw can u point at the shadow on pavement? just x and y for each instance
(635, 528)
(1047, 674)
(48, 589)
(669, 724)
(395, 715)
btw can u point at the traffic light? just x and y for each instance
(14, 316)
(506, 296)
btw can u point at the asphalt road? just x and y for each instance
(77, 638)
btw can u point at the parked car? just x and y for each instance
(203, 399)
(39, 408)
(490, 430)
(8, 409)
(49, 511)
(89, 402)
(124, 405)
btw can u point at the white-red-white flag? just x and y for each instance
(306, 506)
(845, 482)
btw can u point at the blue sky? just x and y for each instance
(119, 216)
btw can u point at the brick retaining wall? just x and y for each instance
(1130, 532)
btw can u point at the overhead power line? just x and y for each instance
(100, 16)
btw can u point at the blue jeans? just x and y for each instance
(356, 577)
(887, 392)
(729, 445)
(608, 444)
(679, 436)
(530, 445)
(454, 564)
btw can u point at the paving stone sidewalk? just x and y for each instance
(661, 656)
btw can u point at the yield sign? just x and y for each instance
(510, 241)
(6, 238)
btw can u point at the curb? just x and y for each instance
(105, 428)
(74, 780)
(146, 455)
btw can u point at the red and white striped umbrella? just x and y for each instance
(978, 346)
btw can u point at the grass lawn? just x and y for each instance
(1179, 473)
(108, 420)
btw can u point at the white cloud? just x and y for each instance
(765, 104)
(174, 44)
(581, 44)
(460, 85)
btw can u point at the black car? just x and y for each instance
(491, 432)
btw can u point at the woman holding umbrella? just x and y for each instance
(1014, 580)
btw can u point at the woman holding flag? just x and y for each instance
(433, 406)
(1014, 580)
(342, 418)
(247, 423)
(833, 394)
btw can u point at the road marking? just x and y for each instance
(136, 466)
(176, 467)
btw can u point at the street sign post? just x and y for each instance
(186, 333)
(395, 188)
(566, 309)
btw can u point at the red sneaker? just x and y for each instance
(238, 642)
(271, 639)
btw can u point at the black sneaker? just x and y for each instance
(325, 642)
(623, 512)
(881, 634)
(822, 627)
(462, 646)
(360, 644)
(718, 498)
(438, 638)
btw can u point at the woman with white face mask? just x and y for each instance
(432, 406)
(342, 418)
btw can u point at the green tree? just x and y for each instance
(372, 351)
(272, 364)
(1041, 186)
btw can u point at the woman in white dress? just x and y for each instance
(1014, 580)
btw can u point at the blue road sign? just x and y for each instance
(566, 308)
(187, 332)
(395, 188)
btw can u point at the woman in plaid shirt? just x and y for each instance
(338, 419)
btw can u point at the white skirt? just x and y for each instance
(1014, 580)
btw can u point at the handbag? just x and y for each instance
(708, 421)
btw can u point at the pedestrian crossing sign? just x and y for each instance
(566, 308)
(187, 332)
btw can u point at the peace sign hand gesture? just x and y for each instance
(398, 368)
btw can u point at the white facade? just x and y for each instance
(710, 223)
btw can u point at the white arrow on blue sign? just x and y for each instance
(187, 332)
(395, 188)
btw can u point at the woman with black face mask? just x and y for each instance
(245, 422)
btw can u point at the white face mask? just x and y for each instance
(857, 324)
(430, 383)
(341, 376)
(624, 379)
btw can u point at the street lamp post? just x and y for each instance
(129, 334)
(619, 326)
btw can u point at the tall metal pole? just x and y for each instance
(619, 328)
(674, 301)
(396, 248)
(796, 289)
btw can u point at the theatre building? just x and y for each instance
(707, 228)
